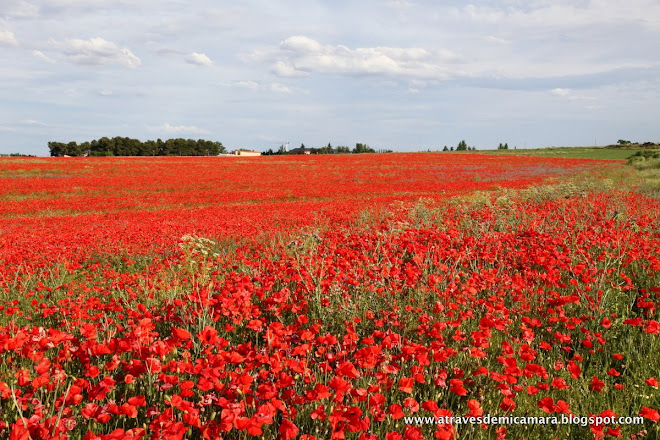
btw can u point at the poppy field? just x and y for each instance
(326, 297)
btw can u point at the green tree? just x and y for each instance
(149, 148)
(326, 150)
(343, 149)
(73, 149)
(125, 146)
(85, 148)
(168, 148)
(57, 148)
(219, 148)
(362, 148)
(462, 146)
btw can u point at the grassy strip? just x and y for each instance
(603, 153)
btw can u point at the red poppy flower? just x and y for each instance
(507, 404)
(208, 335)
(180, 333)
(574, 369)
(406, 384)
(546, 404)
(396, 411)
(650, 414)
(475, 408)
(287, 429)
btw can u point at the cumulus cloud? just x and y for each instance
(74, 7)
(169, 51)
(300, 56)
(252, 85)
(400, 4)
(286, 69)
(18, 9)
(7, 38)
(568, 13)
(97, 51)
(560, 92)
(199, 59)
(179, 129)
(279, 88)
(33, 122)
(483, 13)
(42, 56)
(495, 40)
(570, 95)
(301, 44)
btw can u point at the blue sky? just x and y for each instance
(402, 74)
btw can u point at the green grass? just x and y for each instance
(649, 171)
(569, 152)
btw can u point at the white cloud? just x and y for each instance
(570, 95)
(199, 59)
(39, 54)
(7, 38)
(279, 88)
(105, 92)
(169, 51)
(90, 3)
(286, 69)
(96, 52)
(569, 13)
(18, 9)
(179, 129)
(560, 92)
(252, 85)
(33, 122)
(74, 7)
(400, 4)
(301, 56)
(420, 83)
(484, 13)
(301, 44)
(495, 40)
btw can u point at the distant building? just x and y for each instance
(301, 150)
(246, 153)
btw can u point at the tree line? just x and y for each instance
(327, 149)
(462, 146)
(124, 146)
